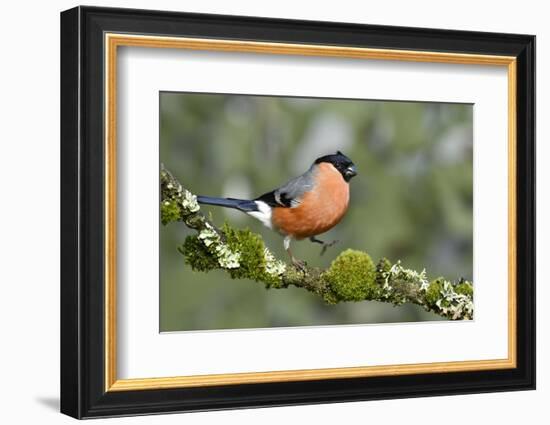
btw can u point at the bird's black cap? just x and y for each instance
(341, 162)
(335, 158)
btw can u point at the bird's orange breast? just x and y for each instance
(319, 210)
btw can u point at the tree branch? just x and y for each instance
(352, 276)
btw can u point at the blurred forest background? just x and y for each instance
(411, 201)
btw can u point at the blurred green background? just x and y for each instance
(412, 199)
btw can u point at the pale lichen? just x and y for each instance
(227, 258)
(451, 300)
(273, 266)
(454, 304)
(189, 201)
(399, 284)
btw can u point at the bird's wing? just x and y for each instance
(290, 194)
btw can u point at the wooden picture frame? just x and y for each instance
(90, 39)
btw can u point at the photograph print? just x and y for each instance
(288, 211)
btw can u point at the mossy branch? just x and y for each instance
(352, 276)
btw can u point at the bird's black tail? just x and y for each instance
(239, 204)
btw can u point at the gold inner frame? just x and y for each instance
(113, 41)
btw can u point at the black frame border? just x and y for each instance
(82, 206)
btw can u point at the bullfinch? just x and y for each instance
(305, 206)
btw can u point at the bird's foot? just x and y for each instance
(327, 245)
(299, 264)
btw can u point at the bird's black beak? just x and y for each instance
(350, 172)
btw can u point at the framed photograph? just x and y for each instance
(261, 212)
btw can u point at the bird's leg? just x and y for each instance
(325, 244)
(299, 264)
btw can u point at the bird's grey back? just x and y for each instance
(289, 194)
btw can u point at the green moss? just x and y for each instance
(253, 258)
(251, 248)
(169, 211)
(465, 288)
(433, 293)
(352, 276)
(197, 256)
(331, 298)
